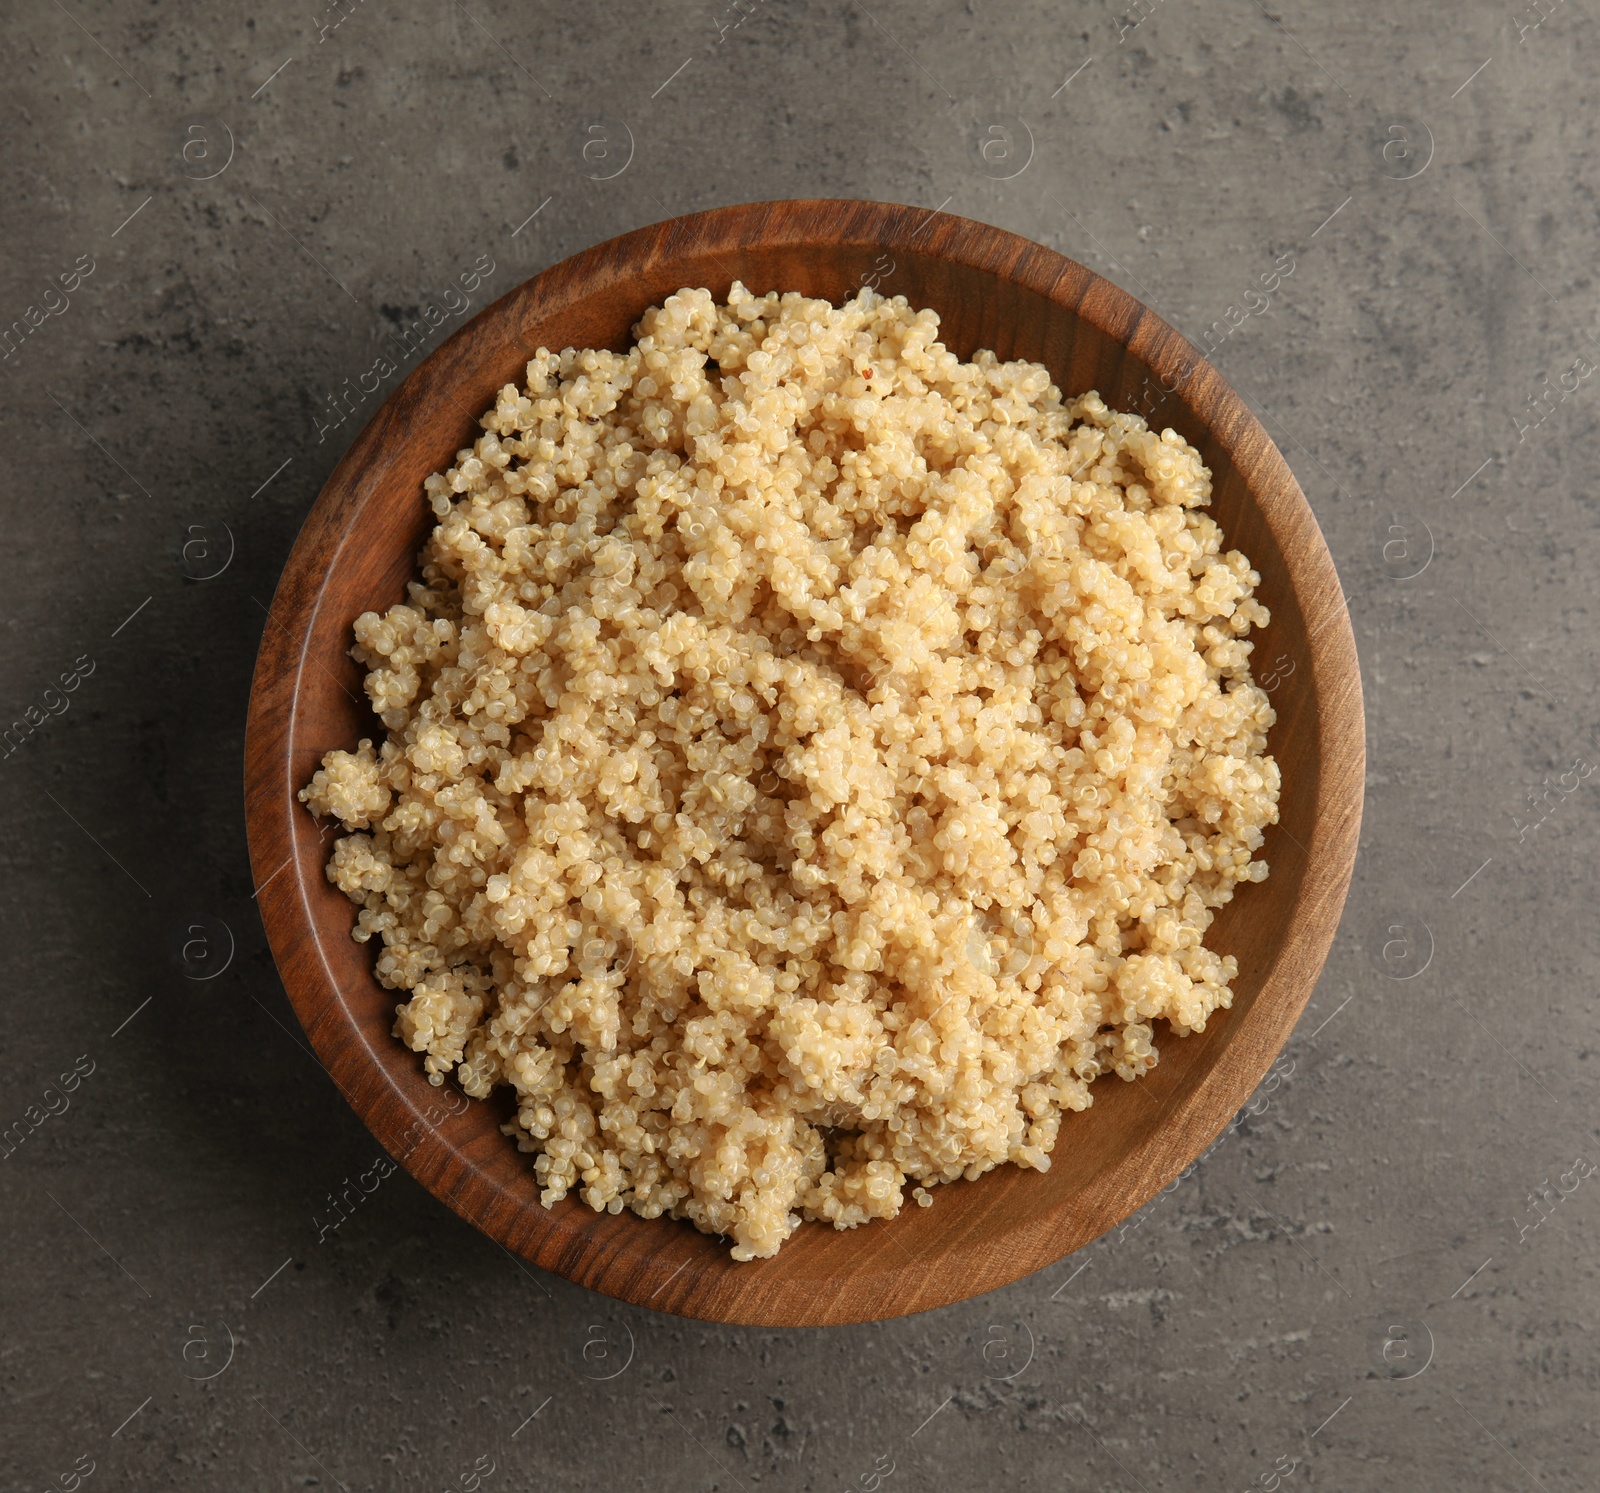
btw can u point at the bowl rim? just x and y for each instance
(285, 865)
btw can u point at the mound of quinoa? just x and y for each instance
(811, 761)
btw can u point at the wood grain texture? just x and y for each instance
(358, 548)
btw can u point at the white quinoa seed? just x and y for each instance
(812, 760)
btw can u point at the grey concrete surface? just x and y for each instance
(1385, 1276)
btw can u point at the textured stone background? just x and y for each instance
(1359, 1279)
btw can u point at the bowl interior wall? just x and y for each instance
(377, 557)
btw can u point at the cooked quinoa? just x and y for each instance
(812, 760)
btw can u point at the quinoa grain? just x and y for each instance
(811, 761)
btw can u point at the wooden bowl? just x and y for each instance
(357, 550)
